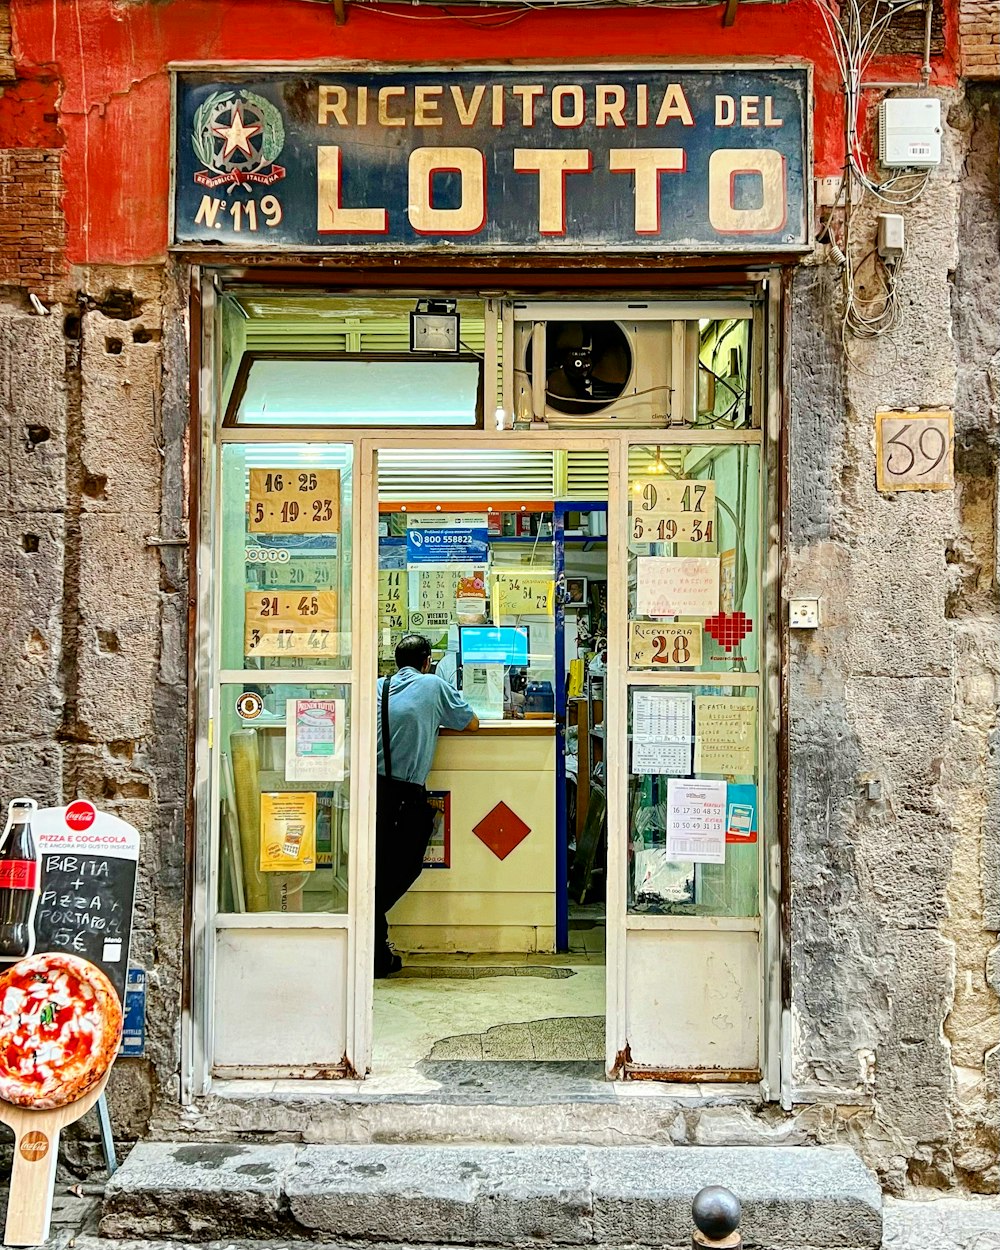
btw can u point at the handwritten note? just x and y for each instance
(87, 889)
(696, 821)
(725, 735)
(677, 586)
(516, 594)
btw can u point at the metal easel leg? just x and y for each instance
(107, 1138)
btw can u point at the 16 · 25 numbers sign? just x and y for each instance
(659, 159)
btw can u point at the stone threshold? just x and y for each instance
(511, 1103)
(509, 1082)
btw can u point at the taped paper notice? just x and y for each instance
(437, 590)
(661, 733)
(677, 586)
(288, 832)
(314, 739)
(696, 821)
(482, 689)
(518, 594)
(725, 735)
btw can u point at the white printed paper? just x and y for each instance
(661, 733)
(482, 689)
(677, 586)
(314, 739)
(696, 821)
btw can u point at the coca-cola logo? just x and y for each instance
(80, 815)
(34, 1146)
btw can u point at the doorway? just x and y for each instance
(502, 937)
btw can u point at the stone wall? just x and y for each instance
(979, 36)
(973, 1028)
(94, 614)
(899, 687)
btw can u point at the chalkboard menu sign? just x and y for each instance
(87, 888)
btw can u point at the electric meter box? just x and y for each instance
(909, 133)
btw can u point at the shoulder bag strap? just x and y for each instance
(386, 745)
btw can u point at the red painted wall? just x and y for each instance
(93, 77)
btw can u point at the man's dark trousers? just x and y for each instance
(404, 821)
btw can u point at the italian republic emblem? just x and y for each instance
(237, 136)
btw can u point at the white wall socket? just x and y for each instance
(803, 613)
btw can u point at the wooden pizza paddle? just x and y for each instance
(36, 1153)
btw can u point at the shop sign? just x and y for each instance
(446, 546)
(659, 159)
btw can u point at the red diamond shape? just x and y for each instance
(501, 830)
(729, 628)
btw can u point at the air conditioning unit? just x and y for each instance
(576, 365)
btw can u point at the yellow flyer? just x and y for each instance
(288, 831)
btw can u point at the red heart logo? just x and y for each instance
(729, 628)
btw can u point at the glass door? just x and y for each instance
(692, 788)
(284, 759)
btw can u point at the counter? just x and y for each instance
(499, 898)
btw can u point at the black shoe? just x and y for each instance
(386, 967)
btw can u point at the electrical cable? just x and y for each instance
(855, 44)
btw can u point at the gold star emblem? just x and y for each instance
(236, 134)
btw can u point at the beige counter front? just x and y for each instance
(482, 902)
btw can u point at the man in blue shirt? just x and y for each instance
(413, 705)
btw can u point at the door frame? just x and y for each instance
(197, 1014)
(367, 549)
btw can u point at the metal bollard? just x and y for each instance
(716, 1211)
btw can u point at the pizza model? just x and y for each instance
(60, 1026)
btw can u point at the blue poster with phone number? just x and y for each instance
(447, 546)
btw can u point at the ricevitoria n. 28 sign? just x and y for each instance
(657, 160)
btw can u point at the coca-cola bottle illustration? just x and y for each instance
(19, 873)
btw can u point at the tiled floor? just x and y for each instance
(560, 1039)
(499, 1007)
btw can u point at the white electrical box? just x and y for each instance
(909, 133)
(803, 613)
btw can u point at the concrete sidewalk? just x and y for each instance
(941, 1224)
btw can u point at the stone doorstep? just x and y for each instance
(570, 1196)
